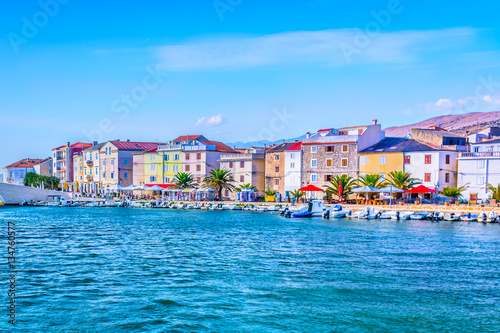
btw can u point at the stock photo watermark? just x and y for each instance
(223, 6)
(277, 124)
(372, 29)
(31, 26)
(122, 106)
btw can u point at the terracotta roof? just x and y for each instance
(398, 145)
(351, 127)
(296, 146)
(128, 145)
(189, 137)
(25, 163)
(219, 146)
(281, 147)
(437, 128)
(76, 144)
(325, 130)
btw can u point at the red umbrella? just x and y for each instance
(340, 191)
(311, 188)
(421, 189)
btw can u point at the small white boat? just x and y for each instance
(403, 216)
(492, 217)
(389, 215)
(469, 217)
(336, 212)
(262, 208)
(369, 213)
(313, 209)
(451, 217)
(419, 216)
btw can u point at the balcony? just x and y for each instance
(495, 154)
(240, 157)
(60, 156)
(60, 168)
(90, 163)
(169, 147)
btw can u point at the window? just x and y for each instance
(187, 157)
(104, 175)
(125, 161)
(382, 160)
(152, 157)
(188, 168)
(153, 167)
(152, 179)
(103, 162)
(345, 163)
(276, 169)
(427, 177)
(480, 164)
(231, 165)
(242, 164)
(363, 160)
(76, 168)
(329, 149)
(476, 149)
(276, 181)
(242, 179)
(90, 170)
(176, 168)
(314, 163)
(198, 167)
(166, 157)
(447, 159)
(407, 159)
(314, 178)
(112, 175)
(165, 168)
(292, 165)
(96, 156)
(276, 157)
(125, 175)
(314, 149)
(198, 156)
(85, 172)
(329, 162)
(292, 155)
(167, 180)
(480, 181)
(112, 162)
(96, 171)
(345, 148)
(428, 159)
(328, 178)
(447, 177)
(226, 193)
(198, 180)
(176, 157)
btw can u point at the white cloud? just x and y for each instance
(211, 122)
(462, 105)
(321, 47)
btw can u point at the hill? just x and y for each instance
(456, 123)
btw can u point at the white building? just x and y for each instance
(14, 173)
(480, 167)
(293, 168)
(434, 168)
(487, 133)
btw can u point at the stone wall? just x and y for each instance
(14, 194)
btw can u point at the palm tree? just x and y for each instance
(297, 194)
(452, 192)
(219, 179)
(183, 180)
(346, 182)
(495, 191)
(373, 180)
(246, 186)
(403, 180)
(270, 193)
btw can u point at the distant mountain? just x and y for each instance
(262, 143)
(456, 123)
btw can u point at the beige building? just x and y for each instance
(247, 167)
(44, 167)
(62, 160)
(275, 168)
(87, 169)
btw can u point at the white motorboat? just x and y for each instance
(493, 217)
(336, 212)
(469, 217)
(262, 208)
(451, 217)
(369, 213)
(389, 215)
(403, 216)
(419, 216)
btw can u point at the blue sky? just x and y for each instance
(236, 70)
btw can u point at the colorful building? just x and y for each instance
(293, 168)
(87, 169)
(63, 160)
(332, 152)
(247, 167)
(275, 167)
(15, 172)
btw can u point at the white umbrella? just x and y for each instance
(129, 188)
(155, 188)
(116, 188)
(142, 187)
(365, 189)
(390, 189)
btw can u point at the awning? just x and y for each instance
(421, 190)
(311, 188)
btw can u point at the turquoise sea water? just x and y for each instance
(139, 270)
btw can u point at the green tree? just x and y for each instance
(51, 182)
(183, 180)
(246, 186)
(452, 192)
(298, 195)
(402, 180)
(373, 180)
(270, 193)
(495, 191)
(219, 179)
(345, 181)
(31, 179)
